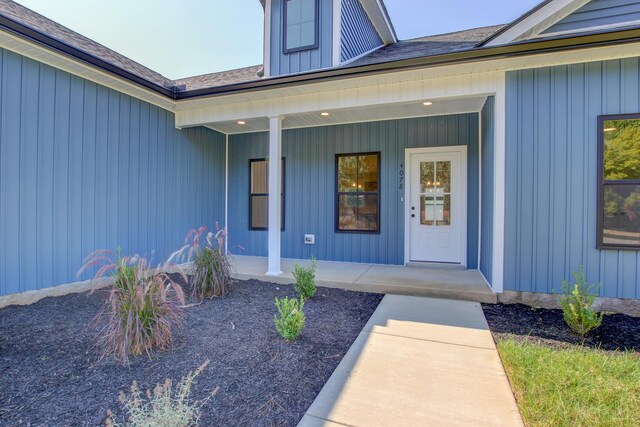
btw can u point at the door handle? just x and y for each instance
(413, 215)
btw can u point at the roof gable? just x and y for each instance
(598, 14)
(535, 21)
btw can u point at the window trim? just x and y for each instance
(602, 184)
(315, 35)
(251, 228)
(338, 193)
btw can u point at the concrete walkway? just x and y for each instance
(419, 362)
(438, 282)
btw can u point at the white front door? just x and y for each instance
(437, 205)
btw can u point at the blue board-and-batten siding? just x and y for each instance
(598, 13)
(551, 169)
(83, 167)
(305, 60)
(310, 186)
(487, 190)
(358, 35)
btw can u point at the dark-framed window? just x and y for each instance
(619, 182)
(300, 25)
(358, 192)
(259, 194)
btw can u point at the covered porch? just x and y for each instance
(437, 281)
(299, 207)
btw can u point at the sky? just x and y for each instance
(181, 38)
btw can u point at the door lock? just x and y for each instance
(413, 208)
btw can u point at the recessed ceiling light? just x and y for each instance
(427, 103)
(324, 114)
(242, 122)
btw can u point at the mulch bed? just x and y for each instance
(522, 322)
(50, 374)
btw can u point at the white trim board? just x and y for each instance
(538, 21)
(336, 33)
(463, 150)
(266, 60)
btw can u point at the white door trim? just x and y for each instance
(462, 149)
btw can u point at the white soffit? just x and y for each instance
(441, 107)
(380, 20)
(534, 23)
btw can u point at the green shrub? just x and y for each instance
(163, 407)
(305, 277)
(143, 306)
(290, 318)
(577, 304)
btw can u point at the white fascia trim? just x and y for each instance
(375, 12)
(266, 60)
(499, 200)
(538, 21)
(587, 29)
(337, 32)
(348, 61)
(81, 69)
(386, 20)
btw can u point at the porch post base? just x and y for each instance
(273, 273)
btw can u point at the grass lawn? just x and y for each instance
(573, 385)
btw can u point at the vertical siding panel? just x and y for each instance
(88, 187)
(60, 176)
(44, 215)
(12, 75)
(542, 182)
(133, 189)
(306, 60)
(101, 201)
(310, 185)
(630, 102)
(559, 178)
(358, 35)
(28, 180)
(563, 217)
(77, 164)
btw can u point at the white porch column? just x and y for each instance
(275, 194)
(499, 176)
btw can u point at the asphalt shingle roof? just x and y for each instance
(46, 26)
(405, 49)
(428, 46)
(240, 75)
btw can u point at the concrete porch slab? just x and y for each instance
(431, 281)
(419, 361)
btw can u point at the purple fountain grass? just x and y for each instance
(143, 306)
(211, 264)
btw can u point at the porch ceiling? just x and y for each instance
(439, 107)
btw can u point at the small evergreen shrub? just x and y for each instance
(577, 304)
(212, 269)
(143, 306)
(305, 277)
(164, 406)
(290, 318)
